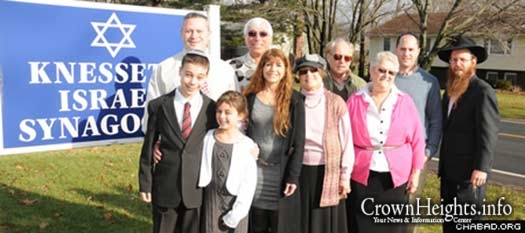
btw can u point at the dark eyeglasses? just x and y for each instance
(384, 71)
(338, 57)
(254, 34)
(306, 70)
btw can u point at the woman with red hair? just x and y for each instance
(276, 124)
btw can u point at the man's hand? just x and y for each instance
(146, 197)
(290, 189)
(157, 155)
(478, 178)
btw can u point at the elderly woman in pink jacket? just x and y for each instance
(389, 147)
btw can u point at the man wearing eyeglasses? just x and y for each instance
(424, 90)
(195, 33)
(258, 34)
(340, 78)
(470, 129)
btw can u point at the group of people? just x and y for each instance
(233, 147)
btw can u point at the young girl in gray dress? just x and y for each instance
(228, 169)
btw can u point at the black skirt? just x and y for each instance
(381, 188)
(316, 219)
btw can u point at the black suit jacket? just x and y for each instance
(469, 132)
(175, 177)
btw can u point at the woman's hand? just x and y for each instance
(290, 189)
(344, 189)
(413, 182)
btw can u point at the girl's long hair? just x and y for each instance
(281, 121)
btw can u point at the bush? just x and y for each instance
(504, 85)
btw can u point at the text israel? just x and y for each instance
(87, 99)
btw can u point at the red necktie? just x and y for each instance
(186, 121)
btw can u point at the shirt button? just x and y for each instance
(381, 121)
(381, 142)
(379, 152)
(383, 109)
(380, 132)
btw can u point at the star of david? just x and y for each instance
(113, 22)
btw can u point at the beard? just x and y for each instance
(458, 81)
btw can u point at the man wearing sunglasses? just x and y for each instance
(424, 90)
(340, 78)
(258, 34)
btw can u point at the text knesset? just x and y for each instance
(88, 99)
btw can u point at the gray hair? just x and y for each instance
(195, 15)
(384, 56)
(258, 21)
(332, 43)
(192, 15)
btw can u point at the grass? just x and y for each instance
(95, 190)
(82, 190)
(511, 106)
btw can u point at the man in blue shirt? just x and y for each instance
(424, 90)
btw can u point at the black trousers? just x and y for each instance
(175, 220)
(464, 193)
(381, 188)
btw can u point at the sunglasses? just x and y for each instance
(338, 57)
(254, 34)
(305, 71)
(384, 71)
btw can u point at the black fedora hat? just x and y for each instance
(463, 42)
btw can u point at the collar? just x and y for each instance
(366, 90)
(181, 99)
(410, 72)
(249, 61)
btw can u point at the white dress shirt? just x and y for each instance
(378, 122)
(195, 106)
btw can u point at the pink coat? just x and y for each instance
(405, 130)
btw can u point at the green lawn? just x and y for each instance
(511, 106)
(82, 190)
(95, 190)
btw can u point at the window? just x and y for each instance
(498, 47)
(492, 77)
(386, 44)
(512, 77)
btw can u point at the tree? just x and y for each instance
(365, 14)
(466, 16)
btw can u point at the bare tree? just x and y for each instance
(465, 16)
(363, 15)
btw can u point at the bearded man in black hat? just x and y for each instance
(470, 127)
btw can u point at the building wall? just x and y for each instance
(514, 61)
(496, 65)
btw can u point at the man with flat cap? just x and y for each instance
(470, 128)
